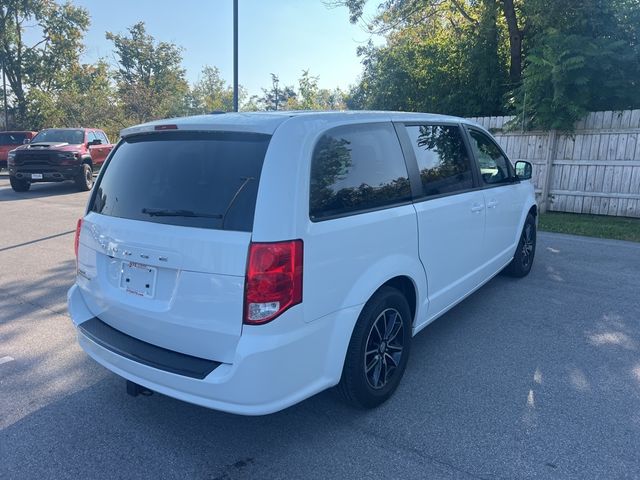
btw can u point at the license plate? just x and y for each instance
(138, 279)
(36, 176)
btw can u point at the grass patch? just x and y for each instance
(601, 226)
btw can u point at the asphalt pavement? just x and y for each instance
(530, 378)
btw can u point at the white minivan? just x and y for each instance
(246, 261)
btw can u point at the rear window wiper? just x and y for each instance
(160, 212)
(245, 180)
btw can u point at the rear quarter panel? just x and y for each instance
(346, 259)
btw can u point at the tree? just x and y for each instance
(584, 56)
(308, 91)
(39, 68)
(398, 14)
(446, 64)
(211, 93)
(86, 99)
(253, 104)
(150, 78)
(549, 62)
(276, 97)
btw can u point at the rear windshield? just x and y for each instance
(204, 180)
(74, 137)
(12, 138)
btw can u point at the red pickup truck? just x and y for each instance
(58, 154)
(11, 140)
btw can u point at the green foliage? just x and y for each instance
(87, 99)
(584, 56)
(49, 87)
(41, 68)
(211, 93)
(446, 65)
(276, 97)
(445, 56)
(311, 97)
(150, 77)
(602, 226)
(453, 56)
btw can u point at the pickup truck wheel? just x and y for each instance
(84, 181)
(19, 185)
(378, 351)
(522, 261)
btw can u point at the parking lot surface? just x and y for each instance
(530, 378)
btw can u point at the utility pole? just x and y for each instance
(4, 94)
(235, 55)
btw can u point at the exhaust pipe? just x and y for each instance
(134, 389)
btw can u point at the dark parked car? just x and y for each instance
(11, 140)
(58, 154)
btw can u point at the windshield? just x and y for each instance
(60, 136)
(205, 180)
(12, 138)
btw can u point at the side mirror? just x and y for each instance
(95, 141)
(523, 170)
(26, 141)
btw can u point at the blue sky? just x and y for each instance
(275, 36)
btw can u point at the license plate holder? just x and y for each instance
(138, 279)
(36, 176)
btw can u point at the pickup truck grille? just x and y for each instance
(33, 158)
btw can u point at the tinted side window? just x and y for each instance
(357, 167)
(9, 138)
(494, 167)
(442, 158)
(103, 137)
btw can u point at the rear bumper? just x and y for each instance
(275, 366)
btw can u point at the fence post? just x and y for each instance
(549, 157)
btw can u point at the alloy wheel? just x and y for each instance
(383, 349)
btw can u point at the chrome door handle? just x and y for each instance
(492, 204)
(477, 207)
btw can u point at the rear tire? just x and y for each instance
(378, 351)
(522, 261)
(84, 180)
(19, 185)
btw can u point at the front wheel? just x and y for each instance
(378, 351)
(522, 261)
(19, 185)
(84, 180)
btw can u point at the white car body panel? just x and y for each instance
(197, 306)
(446, 247)
(451, 232)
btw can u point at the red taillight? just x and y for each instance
(166, 127)
(76, 242)
(274, 280)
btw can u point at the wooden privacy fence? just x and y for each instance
(595, 169)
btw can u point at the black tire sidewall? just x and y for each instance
(82, 181)
(19, 185)
(354, 381)
(516, 268)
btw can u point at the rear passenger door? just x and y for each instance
(450, 211)
(504, 199)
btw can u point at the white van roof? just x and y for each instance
(267, 122)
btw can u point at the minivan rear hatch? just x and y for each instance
(163, 247)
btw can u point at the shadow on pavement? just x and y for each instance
(525, 378)
(37, 190)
